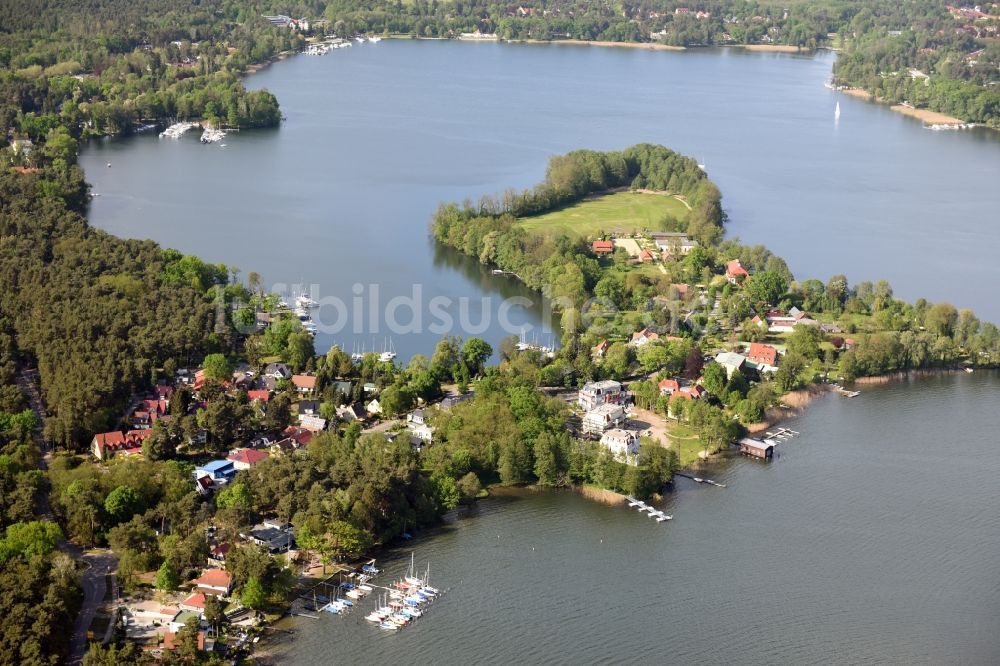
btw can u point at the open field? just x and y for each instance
(619, 212)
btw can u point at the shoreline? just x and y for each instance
(926, 115)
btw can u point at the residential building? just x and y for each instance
(247, 458)
(675, 243)
(601, 349)
(312, 423)
(735, 272)
(278, 371)
(374, 407)
(602, 418)
(106, 444)
(301, 436)
(453, 399)
(308, 407)
(732, 362)
(763, 357)
(214, 581)
(669, 386)
(218, 473)
(304, 384)
(603, 247)
(639, 338)
(262, 395)
(604, 392)
(275, 536)
(645, 256)
(624, 444)
(353, 412)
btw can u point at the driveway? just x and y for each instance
(94, 583)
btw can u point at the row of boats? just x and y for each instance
(938, 127)
(325, 47)
(177, 130)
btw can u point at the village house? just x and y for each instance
(603, 247)
(669, 386)
(624, 444)
(645, 256)
(275, 536)
(603, 417)
(246, 458)
(764, 357)
(417, 424)
(277, 371)
(308, 407)
(374, 407)
(194, 603)
(170, 639)
(353, 412)
(304, 384)
(453, 399)
(639, 338)
(217, 554)
(675, 243)
(312, 423)
(107, 444)
(217, 582)
(343, 388)
(601, 349)
(259, 395)
(732, 362)
(735, 272)
(604, 392)
(213, 475)
(301, 436)
(149, 412)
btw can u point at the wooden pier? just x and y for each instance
(781, 434)
(698, 479)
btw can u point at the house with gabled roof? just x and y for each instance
(106, 444)
(247, 458)
(735, 271)
(764, 357)
(304, 383)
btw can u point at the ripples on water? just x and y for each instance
(872, 538)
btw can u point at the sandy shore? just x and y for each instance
(929, 117)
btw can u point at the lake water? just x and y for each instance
(872, 538)
(340, 197)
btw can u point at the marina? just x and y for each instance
(177, 130)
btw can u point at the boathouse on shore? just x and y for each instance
(758, 448)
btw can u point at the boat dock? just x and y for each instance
(781, 434)
(698, 479)
(653, 512)
(844, 392)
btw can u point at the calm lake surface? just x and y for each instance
(872, 538)
(377, 136)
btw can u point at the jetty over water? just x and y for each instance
(653, 512)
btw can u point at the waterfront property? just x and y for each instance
(624, 444)
(757, 448)
(764, 357)
(732, 362)
(735, 272)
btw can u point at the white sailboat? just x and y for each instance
(387, 354)
(836, 112)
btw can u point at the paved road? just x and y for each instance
(94, 582)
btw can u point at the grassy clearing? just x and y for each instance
(685, 442)
(620, 212)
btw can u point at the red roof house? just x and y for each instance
(106, 444)
(603, 247)
(195, 602)
(762, 354)
(669, 386)
(304, 383)
(262, 394)
(247, 458)
(645, 256)
(735, 271)
(214, 581)
(602, 348)
(301, 436)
